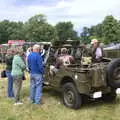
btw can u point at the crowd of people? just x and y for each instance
(16, 63)
(33, 62)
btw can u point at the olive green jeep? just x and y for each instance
(94, 80)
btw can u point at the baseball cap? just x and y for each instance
(94, 41)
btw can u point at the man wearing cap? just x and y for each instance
(36, 68)
(97, 52)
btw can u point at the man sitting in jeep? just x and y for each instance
(63, 59)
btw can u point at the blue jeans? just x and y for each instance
(36, 87)
(10, 84)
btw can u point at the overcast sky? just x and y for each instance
(79, 12)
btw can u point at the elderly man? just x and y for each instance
(64, 59)
(36, 68)
(97, 52)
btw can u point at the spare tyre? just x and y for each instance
(113, 73)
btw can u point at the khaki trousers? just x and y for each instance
(17, 86)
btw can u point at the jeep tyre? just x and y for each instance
(113, 73)
(70, 96)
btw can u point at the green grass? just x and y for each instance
(53, 109)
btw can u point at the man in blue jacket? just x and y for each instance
(36, 68)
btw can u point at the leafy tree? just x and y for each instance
(85, 35)
(3, 34)
(107, 31)
(15, 30)
(65, 31)
(10, 30)
(110, 29)
(37, 29)
(38, 19)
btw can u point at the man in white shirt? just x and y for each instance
(97, 52)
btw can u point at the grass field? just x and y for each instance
(53, 109)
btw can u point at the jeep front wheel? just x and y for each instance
(70, 96)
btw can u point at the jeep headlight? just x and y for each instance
(76, 76)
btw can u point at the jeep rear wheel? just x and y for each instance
(70, 96)
(113, 73)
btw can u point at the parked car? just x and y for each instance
(112, 51)
(94, 80)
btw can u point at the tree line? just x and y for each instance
(37, 29)
(107, 31)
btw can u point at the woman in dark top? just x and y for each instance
(9, 59)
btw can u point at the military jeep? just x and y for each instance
(94, 80)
